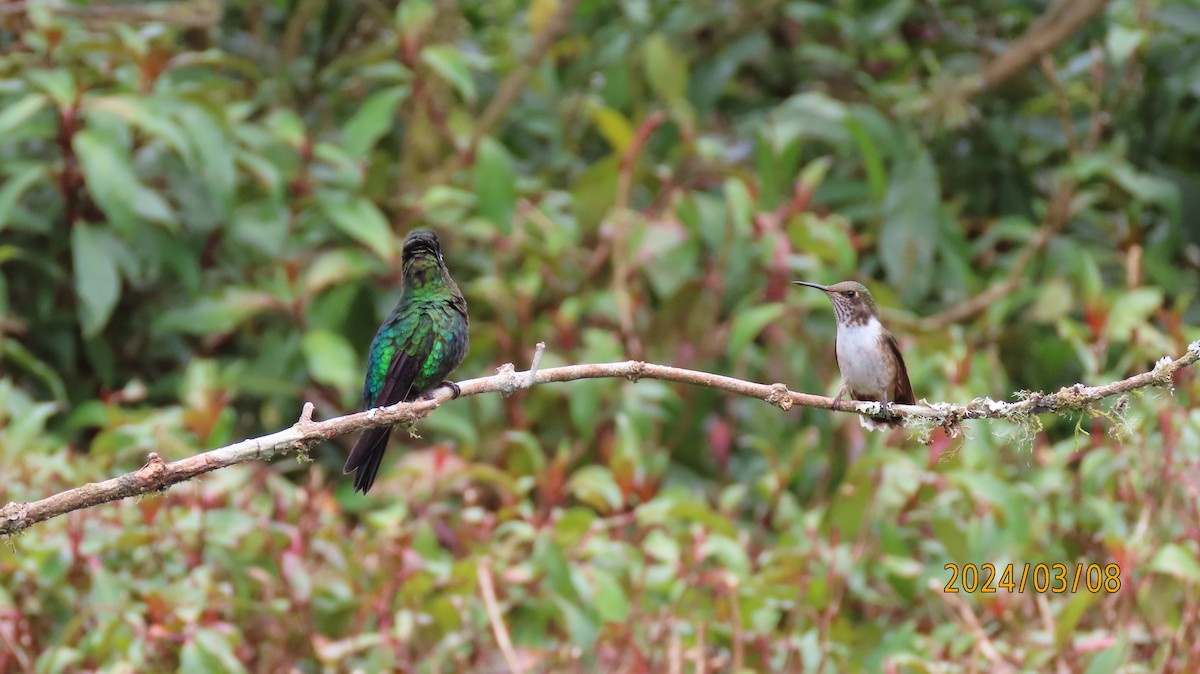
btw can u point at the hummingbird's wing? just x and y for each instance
(412, 336)
(903, 393)
(406, 364)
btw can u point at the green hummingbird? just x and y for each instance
(417, 347)
(866, 353)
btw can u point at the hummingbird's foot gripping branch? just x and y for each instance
(16, 517)
(455, 391)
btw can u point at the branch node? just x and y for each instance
(780, 397)
(511, 382)
(1067, 398)
(153, 467)
(1194, 349)
(15, 512)
(306, 416)
(1162, 370)
(1037, 400)
(636, 370)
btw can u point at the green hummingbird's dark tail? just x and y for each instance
(366, 457)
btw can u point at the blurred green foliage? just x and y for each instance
(200, 211)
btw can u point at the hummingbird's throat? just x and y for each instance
(851, 313)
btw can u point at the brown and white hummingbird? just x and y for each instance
(867, 354)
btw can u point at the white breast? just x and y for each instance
(862, 359)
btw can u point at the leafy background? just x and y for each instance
(201, 206)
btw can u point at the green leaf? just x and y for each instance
(374, 119)
(496, 184)
(16, 353)
(361, 220)
(612, 603)
(592, 192)
(412, 16)
(662, 547)
(345, 171)
(28, 428)
(212, 143)
(749, 323)
(58, 84)
(813, 174)
(1130, 310)
(109, 176)
(872, 161)
(573, 525)
(150, 118)
(15, 187)
(907, 238)
(1175, 560)
(335, 267)
(18, 113)
(209, 651)
(615, 128)
(1068, 618)
(330, 359)
(811, 114)
(287, 126)
(672, 256)
(216, 315)
(448, 62)
(741, 205)
(1109, 660)
(97, 280)
(595, 486)
(1121, 42)
(582, 628)
(728, 553)
(666, 69)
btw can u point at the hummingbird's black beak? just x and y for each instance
(818, 286)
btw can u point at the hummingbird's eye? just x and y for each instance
(850, 293)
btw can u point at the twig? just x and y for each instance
(1062, 19)
(511, 86)
(531, 376)
(192, 14)
(982, 641)
(1047, 616)
(302, 16)
(1063, 103)
(675, 652)
(1058, 212)
(157, 475)
(735, 608)
(488, 590)
(18, 652)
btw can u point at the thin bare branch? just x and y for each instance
(1057, 24)
(488, 589)
(190, 14)
(982, 641)
(531, 376)
(157, 475)
(1058, 213)
(511, 86)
